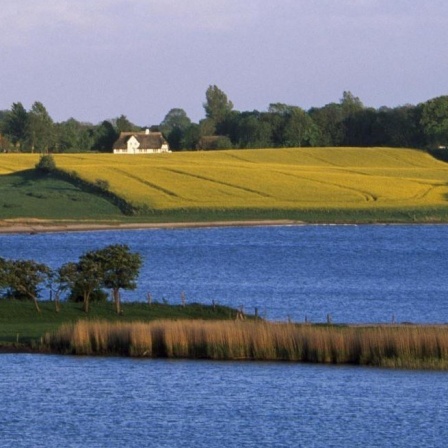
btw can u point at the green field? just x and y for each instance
(28, 194)
(309, 184)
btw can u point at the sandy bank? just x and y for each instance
(40, 226)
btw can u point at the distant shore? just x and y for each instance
(41, 226)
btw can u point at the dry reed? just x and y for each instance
(413, 346)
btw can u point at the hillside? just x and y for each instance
(266, 182)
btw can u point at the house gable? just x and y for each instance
(132, 144)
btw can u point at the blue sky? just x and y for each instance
(98, 59)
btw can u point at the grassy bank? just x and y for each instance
(243, 217)
(422, 347)
(21, 325)
(30, 194)
(330, 214)
(302, 184)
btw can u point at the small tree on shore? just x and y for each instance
(23, 278)
(84, 276)
(3, 274)
(114, 267)
(119, 269)
(58, 282)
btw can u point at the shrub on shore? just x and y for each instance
(406, 346)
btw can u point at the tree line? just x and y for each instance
(114, 268)
(345, 123)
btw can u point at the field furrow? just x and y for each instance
(219, 182)
(366, 195)
(156, 187)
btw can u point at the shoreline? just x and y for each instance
(31, 227)
(34, 227)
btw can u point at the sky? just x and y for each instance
(98, 59)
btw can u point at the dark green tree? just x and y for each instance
(217, 106)
(280, 109)
(292, 126)
(223, 142)
(58, 284)
(254, 131)
(23, 279)
(175, 118)
(73, 136)
(84, 277)
(86, 139)
(329, 120)
(174, 126)
(67, 134)
(119, 269)
(41, 130)
(122, 124)
(434, 121)
(300, 129)
(191, 137)
(229, 127)
(276, 123)
(353, 119)
(277, 115)
(207, 127)
(15, 125)
(350, 104)
(174, 139)
(360, 128)
(3, 274)
(104, 137)
(399, 127)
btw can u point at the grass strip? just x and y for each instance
(21, 326)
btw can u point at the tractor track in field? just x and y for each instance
(218, 182)
(369, 197)
(150, 184)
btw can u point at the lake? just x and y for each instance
(354, 273)
(58, 401)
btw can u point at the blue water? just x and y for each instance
(361, 274)
(57, 401)
(353, 273)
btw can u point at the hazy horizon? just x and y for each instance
(141, 58)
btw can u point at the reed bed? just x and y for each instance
(405, 346)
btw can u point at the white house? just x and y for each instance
(146, 142)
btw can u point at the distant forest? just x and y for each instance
(345, 123)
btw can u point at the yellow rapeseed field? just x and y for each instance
(10, 163)
(264, 179)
